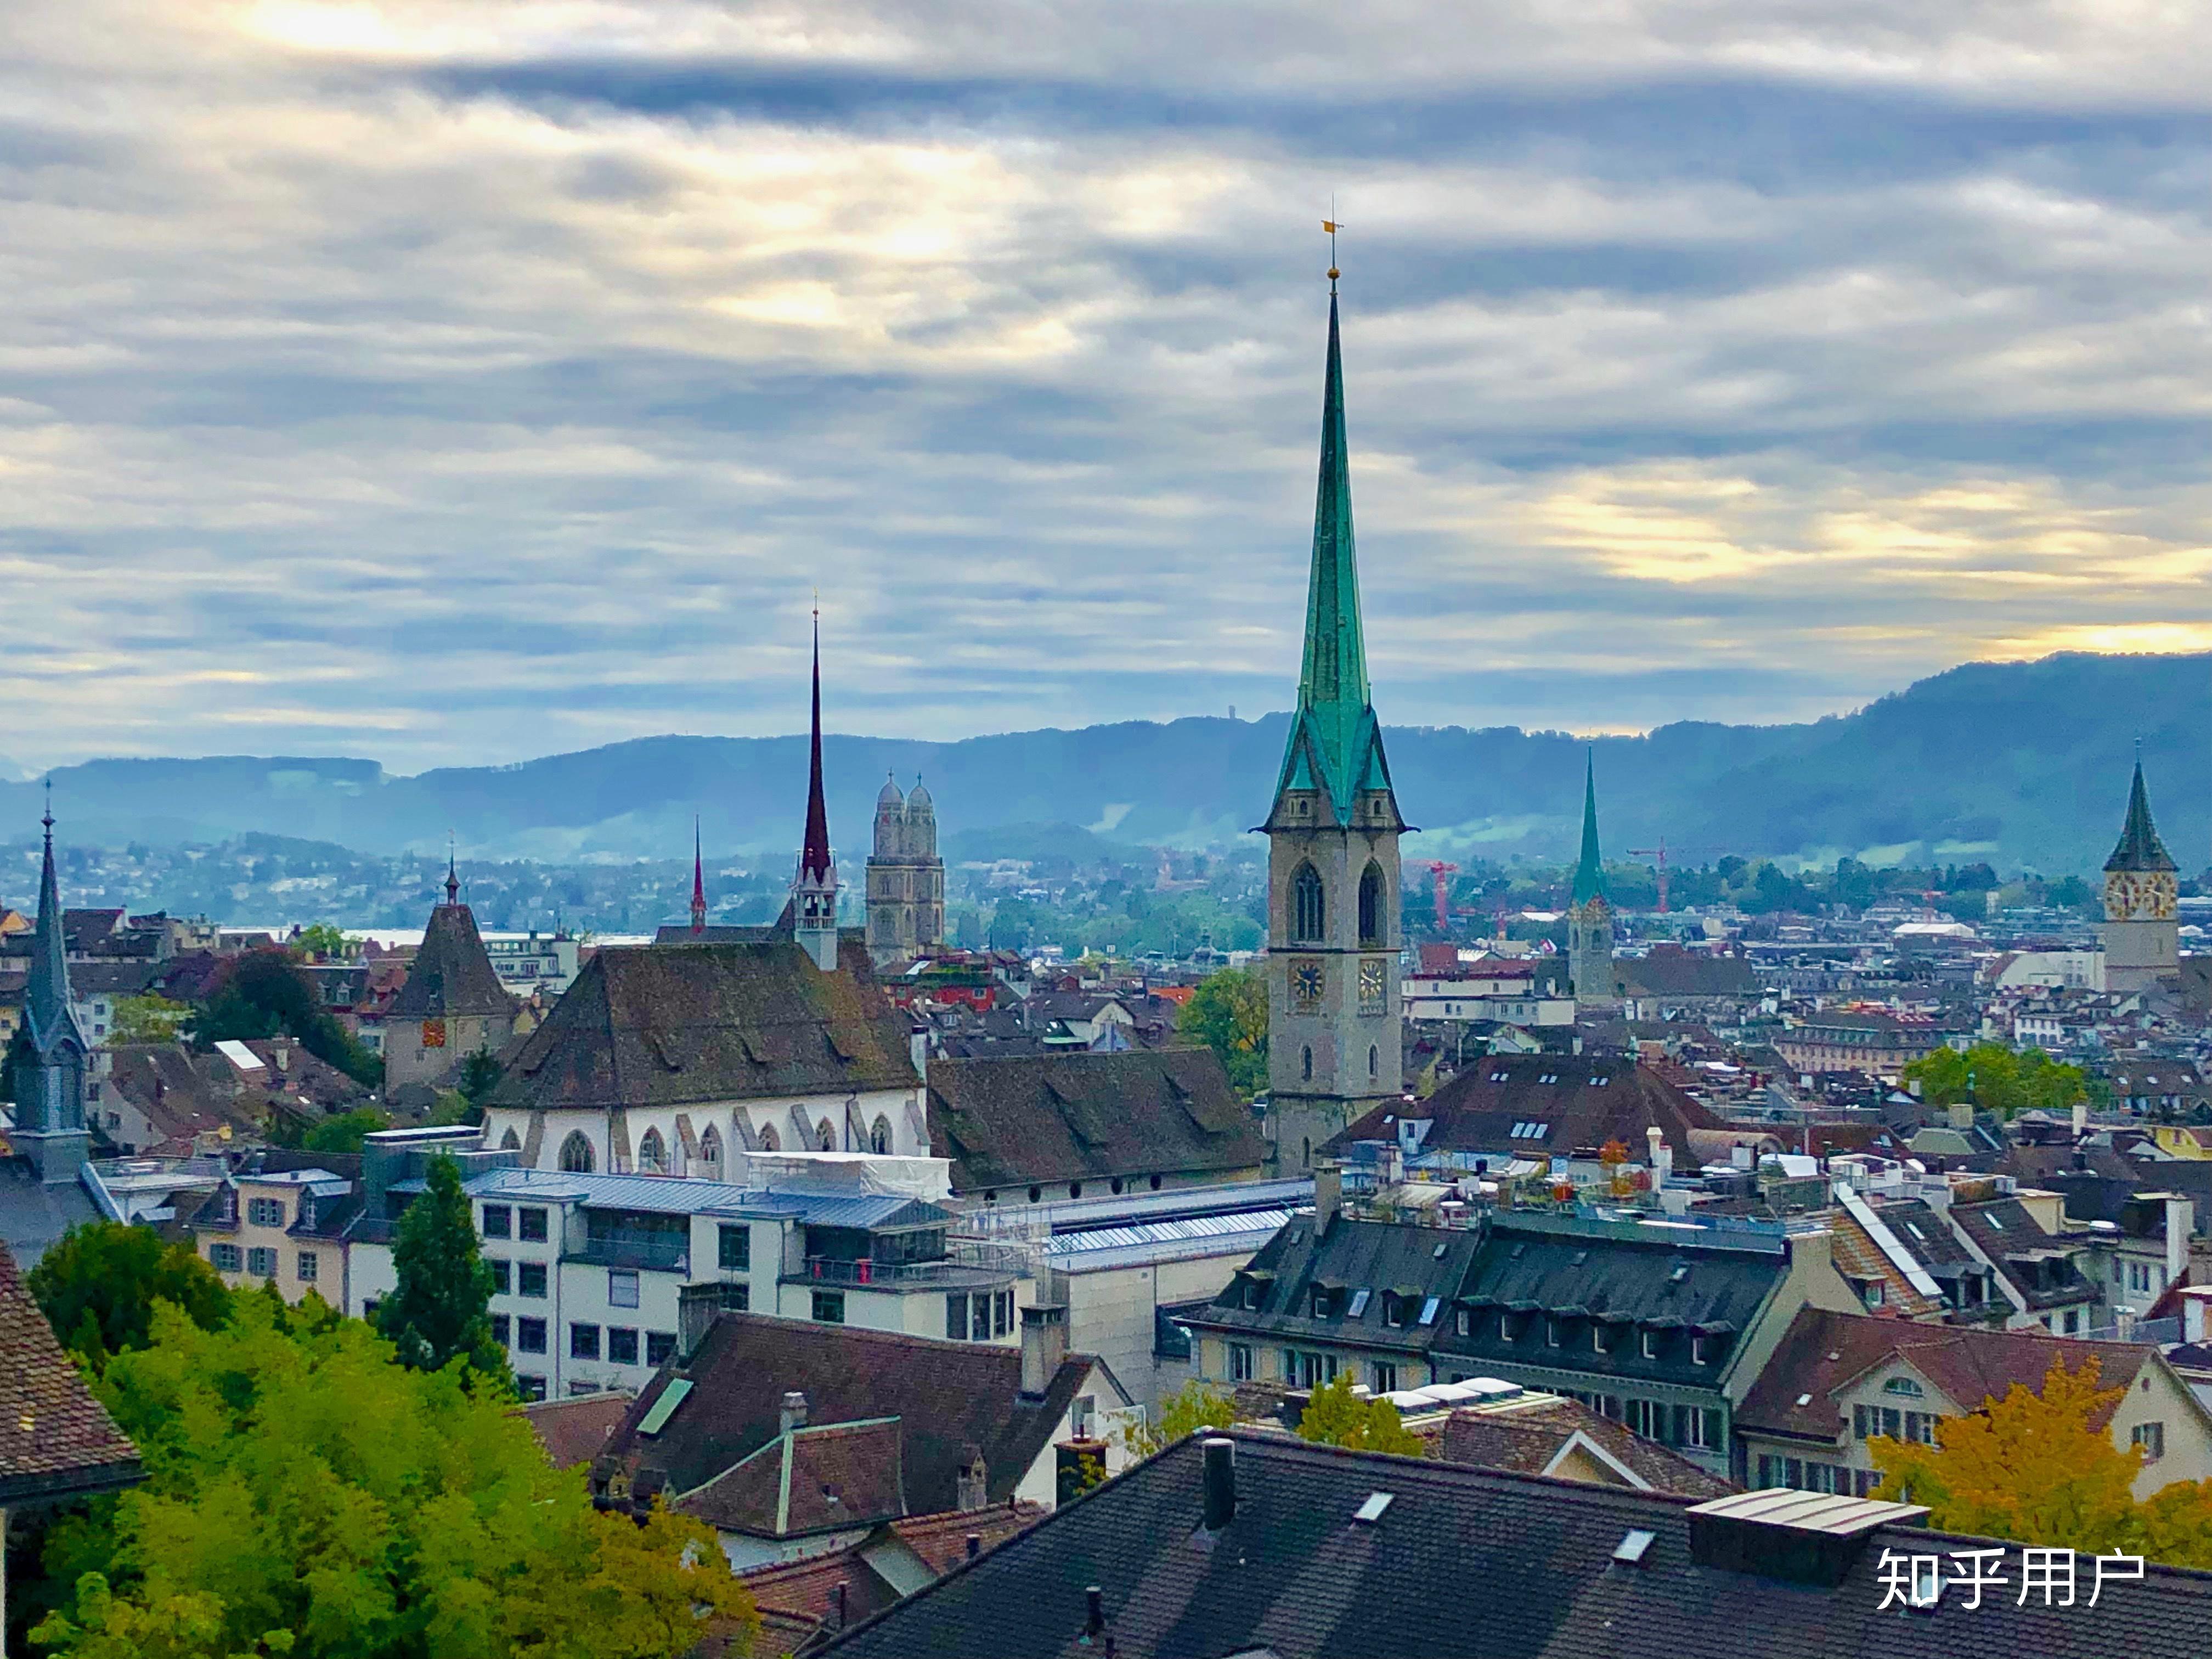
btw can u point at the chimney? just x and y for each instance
(1220, 1482)
(972, 1483)
(793, 1414)
(1328, 1193)
(1962, 1114)
(2193, 1314)
(2180, 1219)
(1912, 1088)
(837, 1600)
(975, 1545)
(1094, 1611)
(1044, 1345)
(697, 1307)
(2080, 1118)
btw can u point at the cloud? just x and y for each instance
(452, 382)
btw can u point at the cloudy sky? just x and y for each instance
(454, 382)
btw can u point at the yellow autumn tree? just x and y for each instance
(2037, 1468)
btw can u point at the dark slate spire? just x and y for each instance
(452, 873)
(46, 996)
(698, 881)
(814, 851)
(1589, 872)
(1335, 744)
(2140, 848)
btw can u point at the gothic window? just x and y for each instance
(825, 1138)
(769, 1141)
(652, 1153)
(879, 1136)
(710, 1154)
(1305, 1064)
(1371, 905)
(510, 1142)
(1373, 1061)
(1308, 916)
(576, 1153)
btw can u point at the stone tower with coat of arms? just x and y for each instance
(1333, 917)
(2142, 920)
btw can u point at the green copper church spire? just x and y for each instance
(1589, 873)
(2140, 848)
(1335, 744)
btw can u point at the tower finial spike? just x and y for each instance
(698, 881)
(1332, 225)
(49, 819)
(453, 869)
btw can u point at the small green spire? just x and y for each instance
(1589, 873)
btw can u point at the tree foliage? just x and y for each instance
(1998, 1079)
(99, 1284)
(1196, 1404)
(346, 1133)
(320, 941)
(440, 1310)
(478, 1076)
(266, 995)
(1337, 1417)
(306, 1496)
(1228, 1012)
(150, 1018)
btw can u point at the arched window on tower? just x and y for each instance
(510, 1142)
(1305, 1064)
(710, 1154)
(1308, 910)
(1373, 1061)
(576, 1153)
(1372, 918)
(652, 1153)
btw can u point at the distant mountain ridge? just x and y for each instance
(2022, 764)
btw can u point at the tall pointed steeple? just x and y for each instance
(46, 996)
(698, 881)
(814, 889)
(1336, 746)
(2140, 848)
(453, 872)
(50, 1051)
(1590, 871)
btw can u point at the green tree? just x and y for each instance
(306, 1496)
(1998, 1080)
(320, 941)
(441, 1308)
(149, 1018)
(346, 1133)
(1228, 1012)
(1335, 1416)
(1196, 1404)
(266, 995)
(479, 1075)
(98, 1284)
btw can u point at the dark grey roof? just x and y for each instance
(2036, 1264)
(452, 974)
(1587, 1101)
(1464, 1564)
(34, 1215)
(1383, 1259)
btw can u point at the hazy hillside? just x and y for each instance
(2025, 763)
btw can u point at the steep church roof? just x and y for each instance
(452, 974)
(1589, 873)
(2140, 848)
(1335, 744)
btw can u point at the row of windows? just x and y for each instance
(577, 1156)
(262, 1263)
(979, 1316)
(265, 1211)
(503, 1221)
(1605, 1337)
(1305, 1064)
(1310, 905)
(1670, 1423)
(1868, 1421)
(519, 1277)
(1804, 1474)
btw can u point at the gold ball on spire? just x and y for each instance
(1334, 273)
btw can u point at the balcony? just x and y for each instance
(654, 1252)
(968, 1265)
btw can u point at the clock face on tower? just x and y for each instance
(1307, 984)
(2139, 895)
(1374, 983)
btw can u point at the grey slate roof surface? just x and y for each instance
(672, 1024)
(1349, 1256)
(1463, 1564)
(452, 974)
(2003, 1227)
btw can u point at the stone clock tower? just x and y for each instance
(1332, 896)
(2142, 925)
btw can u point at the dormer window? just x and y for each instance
(1598, 1343)
(1394, 1311)
(1551, 1333)
(1698, 1355)
(1651, 1345)
(1252, 1293)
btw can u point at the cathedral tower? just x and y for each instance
(814, 887)
(47, 1058)
(1332, 896)
(906, 877)
(1589, 913)
(2142, 925)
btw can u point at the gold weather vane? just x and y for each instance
(1332, 225)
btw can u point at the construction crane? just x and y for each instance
(1659, 852)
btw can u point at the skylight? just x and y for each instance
(1358, 1303)
(1371, 1510)
(1631, 1547)
(1429, 1311)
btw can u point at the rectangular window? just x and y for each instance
(1386, 1377)
(737, 1298)
(529, 1279)
(498, 1221)
(622, 1345)
(1893, 1423)
(227, 1258)
(583, 1341)
(830, 1307)
(1770, 1470)
(979, 1314)
(956, 1316)
(530, 1226)
(502, 1279)
(262, 1264)
(1463, 1322)
(530, 1336)
(659, 1346)
(2151, 1437)
(734, 1251)
(309, 1264)
(265, 1211)
(1651, 1345)
(1704, 1428)
(622, 1287)
(1861, 1429)
(1240, 1361)
(1644, 1418)
(529, 1387)
(502, 1330)
(1002, 1312)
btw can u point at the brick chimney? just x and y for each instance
(1044, 1345)
(1328, 1193)
(793, 1413)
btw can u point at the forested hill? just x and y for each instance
(2023, 763)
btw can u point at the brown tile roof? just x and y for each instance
(1858, 1257)
(672, 1024)
(1593, 1099)
(1823, 1352)
(452, 974)
(574, 1431)
(823, 1477)
(181, 1095)
(1529, 1440)
(1011, 1120)
(951, 1398)
(56, 1440)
